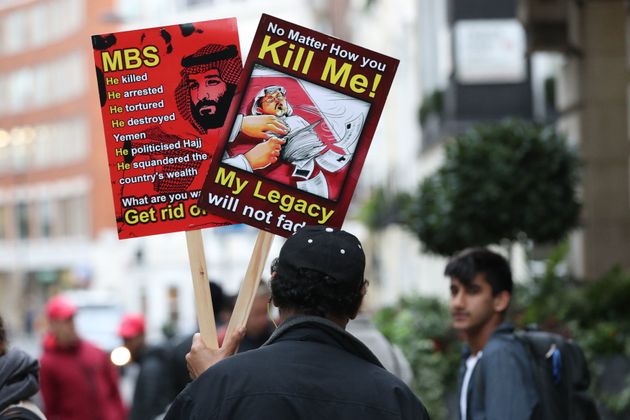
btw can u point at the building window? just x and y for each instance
(43, 146)
(46, 217)
(37, 21)
(40, 24)
(22, 148)
(170, 328)
(5, 151)
(22, 220)
(13, 38)
(3, 222)
(32, 87)
(21, 89)
(74, 217)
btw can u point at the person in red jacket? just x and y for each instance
(77, 379)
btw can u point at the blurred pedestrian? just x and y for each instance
(259, 326)
(179, 371)
(496, 377)
(78, 380)
(310, 368)
(388, 354)
(19, 382)
(153, 390)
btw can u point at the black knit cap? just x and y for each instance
(333, 252)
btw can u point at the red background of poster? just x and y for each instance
(173, 43)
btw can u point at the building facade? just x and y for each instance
(592, 101)
(53, 200)
(57, 228)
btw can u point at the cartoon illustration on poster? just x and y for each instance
(165, 94)
(315, 132)
(303, 120)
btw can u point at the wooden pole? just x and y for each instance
(248, 289)
(203, 300)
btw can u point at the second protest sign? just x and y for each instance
(303, 119)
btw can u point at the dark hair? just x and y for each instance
(311, 292)
(467, 264)
(217, 297)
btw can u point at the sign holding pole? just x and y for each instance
(203, 300)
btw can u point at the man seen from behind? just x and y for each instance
(310, 368)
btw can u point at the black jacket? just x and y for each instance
(19, 378)
(309, 369)
(154, 389)
(178, 368)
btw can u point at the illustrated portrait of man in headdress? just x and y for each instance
(209, 78)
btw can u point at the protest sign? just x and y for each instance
(304, 115)
(164, 94)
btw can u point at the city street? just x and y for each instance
(152, 150)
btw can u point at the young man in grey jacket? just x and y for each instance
(496, 376)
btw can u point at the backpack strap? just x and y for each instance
(479, 386)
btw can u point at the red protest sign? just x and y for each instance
(165, 93)
(304, 116)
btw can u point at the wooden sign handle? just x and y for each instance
(203, 300)
(247, 293)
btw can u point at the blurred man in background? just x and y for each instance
(78, 380)
(179, 371)
(259, 326)
(496, 377)
(153, 389)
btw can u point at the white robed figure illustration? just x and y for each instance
(316, 150)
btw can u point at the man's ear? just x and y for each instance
(501, 301)
(355, 311)
(259, 110)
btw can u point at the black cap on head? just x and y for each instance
(333, 252)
